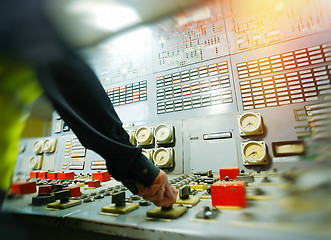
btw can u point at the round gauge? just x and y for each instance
(131, 136)
(50, 145)
(163, 157)
(250, 124)
(148, 154)
(22, 148)
(35, 162)
(144, 136)
(254, 153)
(38, 147)
(164, 134)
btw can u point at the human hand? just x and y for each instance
(159, 192)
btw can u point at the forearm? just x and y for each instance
(83, 104)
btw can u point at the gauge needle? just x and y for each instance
(252, 153)
(249, 123)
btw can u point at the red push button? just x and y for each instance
(66, 176)
(52, 175)
(42, 175)
(44, 189)
(23, 188)
(232, 173)
(228, 194)
(94, 183)
(74, 191)
(34, 174)
(102, 176)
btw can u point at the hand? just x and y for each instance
(159, 192)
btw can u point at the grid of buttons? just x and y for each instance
(130, 93)
(77, 152)
(192, 74)
(98, 165)
(294, 87)
(191, 90)
(188, 103)
(289, 60)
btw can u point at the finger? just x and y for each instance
(150, 190)
(156, 197)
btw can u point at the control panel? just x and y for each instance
(227, 98)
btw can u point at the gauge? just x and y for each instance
(254, 153)
(22, 148)
(131, 136)
(164, 134)
(163, 157)
(148, 153)
(49, 145)
(144, 136)
(38, 147)
(250, 124)
(36, 162)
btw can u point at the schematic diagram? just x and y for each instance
(189, 37)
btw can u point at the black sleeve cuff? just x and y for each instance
(142, 171)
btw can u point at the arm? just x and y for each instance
(83, 104)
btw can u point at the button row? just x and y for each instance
(285, 61)
(130, 93)
(196, 87)
(98, 165)
(195, 102)
(284, 89)
(192, 74)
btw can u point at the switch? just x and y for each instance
(42, 175)
(94, 184)
(119, 206)
(231, 173)
(246, 178)
(74, 191)
(101, 176)
(44, 189)
(172, 212)
(185, 197)
(207, 213)
(66, 175)
(34, 174)
(43, 199)
(57, 187)
(231, 194)
(23, 187)
(65, 201)
(52, 175)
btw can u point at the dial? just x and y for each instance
(164, 134)
(144, 136)
(254, 153)
(250, 124)
(163, 157)
(148, 154)
(36, 162)
(38, 147)
(50, 145)
(131, 136)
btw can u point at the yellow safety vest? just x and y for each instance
(18, 90)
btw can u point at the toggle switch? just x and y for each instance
(171, 212)
(119, 206)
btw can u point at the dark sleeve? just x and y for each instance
(74, 90)
(84, 105)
